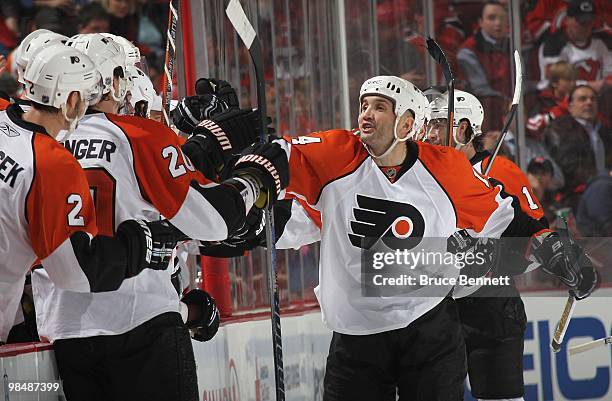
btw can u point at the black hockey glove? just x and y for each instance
(566, 260)
(222, 89)
(149, 244)
(217, 141)
(268, 165)
(479, 255)
(251, 235)
(205, 323)
(191, 110)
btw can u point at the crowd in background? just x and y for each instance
(143, 22)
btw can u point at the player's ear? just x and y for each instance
(73, 100)
(405, 124)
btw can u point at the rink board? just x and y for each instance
(237, 364)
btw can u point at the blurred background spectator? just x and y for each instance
(579, 143)
(485, 64)
(594, 215)
(551, 102)
(575, 44)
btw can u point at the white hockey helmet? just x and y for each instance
(58, 70)
(467, 106)
(405, 96)
(132, 53)
(143, 91)
(107, 55)
(35, 41)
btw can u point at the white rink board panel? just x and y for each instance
(237, 364)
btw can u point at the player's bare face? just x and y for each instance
(376, 122)
(436, 132)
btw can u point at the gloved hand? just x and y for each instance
(203, 319)
(191, 110)
(222, 89)
(219, 140)
(485, 253)
(150, 244)
(268, 165)
(566, 260)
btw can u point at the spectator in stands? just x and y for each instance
(540, 176)
(93, 18)
(124, 21)
(485, 64)
(484, 57)
(594, 216)
(396, 55)
(552, 102)
(575, 44)
(579, 144)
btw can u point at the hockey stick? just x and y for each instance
(568, 310)
(600, 342)
(563, 324)
(169, 62)
(245, 30)
(518, 83)
(435, 51)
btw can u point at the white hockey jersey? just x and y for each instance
(592, 62)
(135, 169)
(438, 194)
(39, 211)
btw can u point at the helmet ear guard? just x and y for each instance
(405, 97)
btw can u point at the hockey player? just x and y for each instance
(47, 217)
(493, 318)
(132, 343)
(377, 186)
(493, 325)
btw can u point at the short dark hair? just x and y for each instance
(571, 95)
(539, 166)
(92, 11)
(44, 108)
(491, 3)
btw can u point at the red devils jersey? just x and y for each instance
(438, 193)
(514, 181)
(45, 199)
(593, 62)
(135, 169)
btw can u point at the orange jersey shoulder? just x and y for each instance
(319, 158)
(163, 172)
(4, 104)
(472, 195)
(515, 183)
(59, 202)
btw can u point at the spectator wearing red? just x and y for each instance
(579, 144)
(575, 44)
(485, 63)
(548, 16)
(552, 102)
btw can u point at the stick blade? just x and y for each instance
(436, 52)
(235, 13)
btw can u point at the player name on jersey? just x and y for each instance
(9, 169)
(91, 148)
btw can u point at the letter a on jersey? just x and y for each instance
(398, 225)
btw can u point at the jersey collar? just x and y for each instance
(15, 114)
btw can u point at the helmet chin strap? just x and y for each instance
(396, 140)
(62, 135)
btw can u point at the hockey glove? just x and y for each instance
(267, 164)
(191, 110)
(479, 255)
(217, 141)
(566, 260)
(222, 89)
(203, 319)
(149, 244)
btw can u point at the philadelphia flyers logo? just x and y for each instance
(399, 225)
